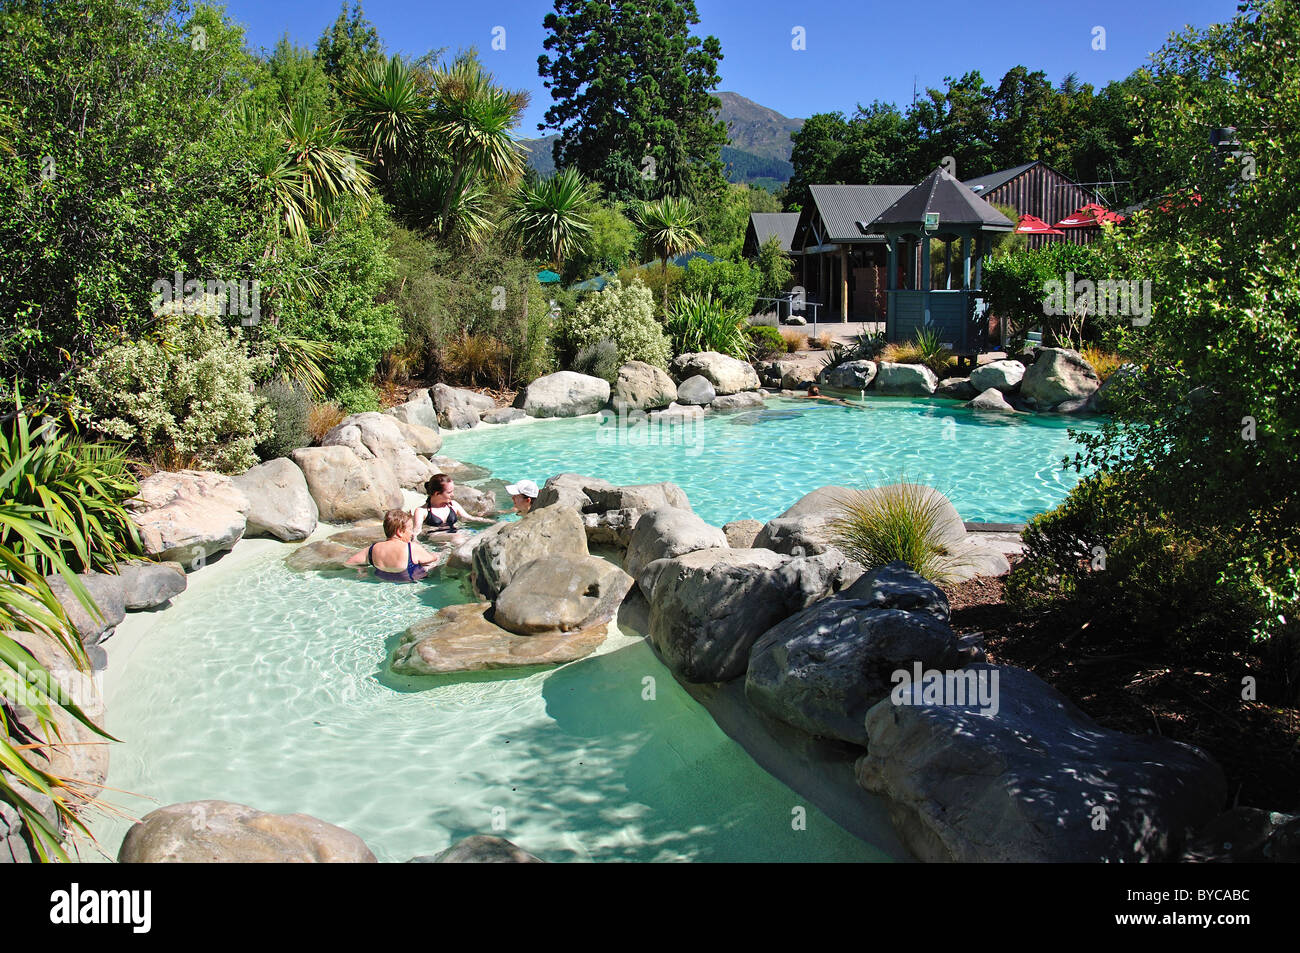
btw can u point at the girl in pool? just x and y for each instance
(398, 550)
(441, 513)
(523, 494)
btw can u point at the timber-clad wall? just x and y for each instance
(1038, 191)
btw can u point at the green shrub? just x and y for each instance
(599, 360)
(290, 408)
(774, 268)
(698, 323)
(182, 396)
(765, 342)
(623, 314)
(896, 522)
(733, 284)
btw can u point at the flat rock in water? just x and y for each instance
(504, 415)
(360, 533)
(458, 471)
(561, 594)
(727, 403)
(460, 639)
(323, 554)
(481, 849)
(222, 832)
(696, 390)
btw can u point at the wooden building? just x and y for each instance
(1035, 188)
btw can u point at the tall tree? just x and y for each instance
(347, 43)
(632, 96)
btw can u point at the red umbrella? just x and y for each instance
(1033, 225)
(1090, 216)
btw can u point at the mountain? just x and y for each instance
(757, 152)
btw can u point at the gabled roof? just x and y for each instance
(955, 203)
(780, 224)
(995, 180)
(841, 207)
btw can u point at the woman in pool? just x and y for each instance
(522, 494)
(398, 550)
(441, 513)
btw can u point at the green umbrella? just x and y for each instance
(547, 277)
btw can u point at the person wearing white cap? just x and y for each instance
(522, 494)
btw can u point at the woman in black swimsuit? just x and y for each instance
(399, 527)
(441, 512)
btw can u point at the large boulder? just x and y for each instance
(481, 849)
(225, 833)
(667, 532)
(504, 415)
(821, 669)
(69, 749)
(373, 436)
(695, 391)
(1123, 378)
(642, 386)
(569, 489)
(108, 594)
(460, 639)
(798, 377)
(745, 400)
(1030, 777)
(707, 607)
(992, 400)
(149, 585)
(561, 594)
(418, 410)
(850, 375)
(905, 380)
(460, 409)
(563, 394)
(476, 502)
(726, 374)
(550, 531)
(1058, 375)
(795, 535)
(742, 533)
(425, 441)
(641, 496)
(188, 516)
(346, 487)
(1004, 376)
(280, 504)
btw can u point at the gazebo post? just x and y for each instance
(925, 280)
(965, 268)
(844, 283)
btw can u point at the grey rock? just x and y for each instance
(1124, 378)
(321, 555)
(561, 594)
(746, 400)
(695, 391)
(374, 436)
(905, 380)
(956, 388)
(850, 375)
(569, 489)
(458, 471)
(1024, 783)
(222, 832)
(563, 394)
(482, 849)
(425, 441)
(417, 410)
(896, 586)
(475, 501)
(823, 668)
(107, 592)
(460, 409)
(798, 377)
(742, 533)
(644, 496)
(504, 415)
(796, 320)
(1059, 375)
(726, 374)
(280, 503)
(991, 400)
(611, 528)
(149, 585)
(1004, 376)
(795, 535)
(188, 516)
(346, 487)
(642, 386)
(551, 531)
(666, 532)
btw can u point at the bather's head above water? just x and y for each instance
(522, 494)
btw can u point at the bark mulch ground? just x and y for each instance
(1188, 696)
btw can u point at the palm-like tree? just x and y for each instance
(472, 122)
(387, 103)
(668, 228)
(551, 216)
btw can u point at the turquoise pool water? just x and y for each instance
(268, 688)
(755, 464)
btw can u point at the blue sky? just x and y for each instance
(855, 51)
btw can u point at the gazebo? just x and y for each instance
(939, 208)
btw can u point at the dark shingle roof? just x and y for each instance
(841, 207)
(955, 203)
(995, 180)
(780, 224)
